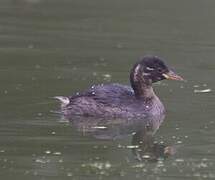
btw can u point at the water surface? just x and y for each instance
(50, 47)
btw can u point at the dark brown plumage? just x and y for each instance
(116, 100)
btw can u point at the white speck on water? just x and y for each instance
(98, 165)
(48, 152)
(164, 170)
(140, 165)
(146, 156)
(173, 137)
(99, 127)
(107, 165)
(132, 147)
(97, 158)
(57, 153)
(39, 114)
(93, 86)
(179, 160)
(122, 173)
(202, 90)
(42, 161)
(204, 159)
(69, 174)
(60, 160)
(120, 146)
(161, 142)
(197, 174)
(202, 165)
(107, 77)
(160, 163)
(179, 142)
(95, 147)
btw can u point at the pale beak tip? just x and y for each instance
(173, 76)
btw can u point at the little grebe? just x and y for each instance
(120, 101)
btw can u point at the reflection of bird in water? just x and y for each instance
(147, 149)
(141, 131)
(119, 101)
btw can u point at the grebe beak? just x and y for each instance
(172, 75)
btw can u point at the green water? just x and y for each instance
(50, 47)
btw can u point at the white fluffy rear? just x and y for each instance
(64, 100)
